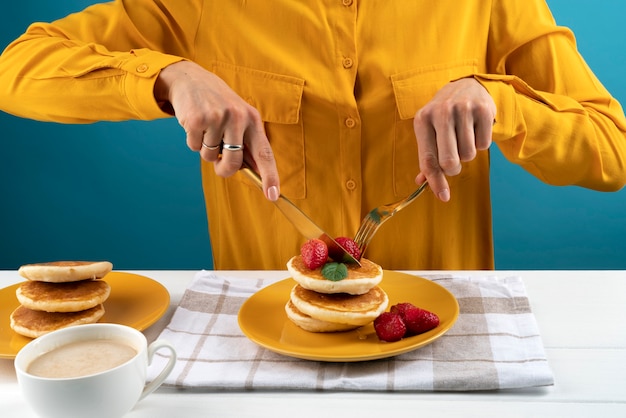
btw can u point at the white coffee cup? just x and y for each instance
(110, 393)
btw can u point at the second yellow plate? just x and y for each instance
(262, 319)
(136, 301)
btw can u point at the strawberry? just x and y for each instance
(349, 245)
(417, 320)
(401, 308)
(389, 327)
(314, 253)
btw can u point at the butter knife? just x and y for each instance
(301, 221)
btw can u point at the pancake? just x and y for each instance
(340, 308)
(308, 323)
(359, 281)
(65, 271)
(34, 324)
(63, 297)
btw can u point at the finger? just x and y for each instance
(211, 148)
(428, 157)
(194, 138)
(447, 146)
(231, 157)
(203, 134)
(263, 159)
(233, 145)
(420, 178)
(465, 137)
(484, 131)
(212, 135)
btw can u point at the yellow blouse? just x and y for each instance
(337, 84)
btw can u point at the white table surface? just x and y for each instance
(580, 316)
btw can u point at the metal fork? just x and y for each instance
(377, 216)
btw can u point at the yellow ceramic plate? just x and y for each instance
(262, 318)
(135, 300)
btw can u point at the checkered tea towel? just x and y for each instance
(495, 344)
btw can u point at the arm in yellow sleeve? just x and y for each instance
(559, 123)
(98, 64)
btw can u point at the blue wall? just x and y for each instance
(543, 227)
(130, 192)
(126, 192)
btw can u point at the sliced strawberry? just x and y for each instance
(417, 320)
(389, 327)
(314, 253)
(349, 245)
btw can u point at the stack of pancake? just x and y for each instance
(60, 294)
(317, 304)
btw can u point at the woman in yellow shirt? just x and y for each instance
(340, 105)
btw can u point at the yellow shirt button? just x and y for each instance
(142, 68)
(348, 63)
(351, 184)
(350, 123)
(346, 2)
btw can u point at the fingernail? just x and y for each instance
(273, 193)
(444, 195)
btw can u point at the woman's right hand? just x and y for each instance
(212, 114)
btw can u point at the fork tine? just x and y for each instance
(377, 216)
(363, 246)
(366, 232)
(358, 238)
(365, 225)
(359, 233)
(370, 233)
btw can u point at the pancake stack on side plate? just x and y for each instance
(317, 304)
(60, 294)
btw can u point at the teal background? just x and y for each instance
(130, 192)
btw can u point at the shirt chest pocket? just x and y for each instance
(412, 91)
(278, 98)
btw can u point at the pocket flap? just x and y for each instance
(277, 97)
(413, 89)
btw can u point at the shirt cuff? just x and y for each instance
(502, 90)
(142, 71)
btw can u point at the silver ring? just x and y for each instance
(211, 147)
(232, 147)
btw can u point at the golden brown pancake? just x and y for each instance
(308, 323)
(65, 271)
(63, 297)
(34, 324)
(359, 281)
(340, 308)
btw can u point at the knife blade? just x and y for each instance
(301, 220)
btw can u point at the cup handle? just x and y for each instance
(152, 349)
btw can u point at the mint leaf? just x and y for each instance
(335, 271)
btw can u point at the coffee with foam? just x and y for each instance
(81, 358)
